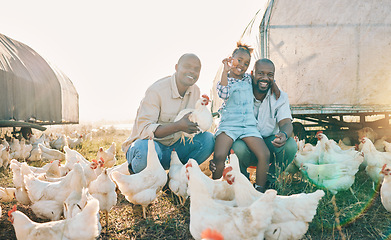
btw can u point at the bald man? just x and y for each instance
(162, 102)
(274, 123)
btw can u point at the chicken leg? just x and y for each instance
(144, 212)
(107, 219)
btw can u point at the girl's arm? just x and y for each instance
(224, 74)
(222, 86)
(275, 89)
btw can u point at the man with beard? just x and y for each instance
(155, 117)
(274, 123)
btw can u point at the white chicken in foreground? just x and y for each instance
(177, 178)
(103, 189)
(200, 115)
(58, 191)
(232, 222)
(218, 189)
(83, 226)
(142, 188)
(21, 194)
(292, 214)
(108, 155)
(385, 190)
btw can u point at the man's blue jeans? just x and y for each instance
(201, 148)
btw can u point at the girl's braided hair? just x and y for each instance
(243, 47)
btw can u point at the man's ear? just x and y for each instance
(176, 67)
(252, 74)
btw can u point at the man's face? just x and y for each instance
(188, 70)
(263, 77)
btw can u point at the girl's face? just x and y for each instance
(243, 63)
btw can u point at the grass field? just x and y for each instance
(358, 216)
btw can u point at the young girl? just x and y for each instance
(237, 116)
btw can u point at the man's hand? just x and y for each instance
(188, 126)
(280, 140)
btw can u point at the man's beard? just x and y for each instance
(256, 87)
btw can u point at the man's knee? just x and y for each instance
(290, 148)
(240, 149)
(208, 141)
(136, 156)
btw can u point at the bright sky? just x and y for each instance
(113, 50)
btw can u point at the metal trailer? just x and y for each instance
(332, 58)
(33, 93)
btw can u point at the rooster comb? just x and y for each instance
(11, 211)
(211, 234)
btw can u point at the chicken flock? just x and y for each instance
(71, 191)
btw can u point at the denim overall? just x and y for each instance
(237, 117)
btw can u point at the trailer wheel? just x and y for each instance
(299, 130)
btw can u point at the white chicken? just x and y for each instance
(292, 214)
(200, 115)
(232, 222)
(21, 194)
(333, 176)
(75, 202)
(7, 194)
(74, 142)
(15, 149)
(103, 189)
(89, 171)
(385, 190)
(58, 191)
(53, 169)
(48, 209)
(380, 144)
(43, 139)
(108, 155)
(177, 178)
(4, 156)
(330, 152)
(374, 160)
(141, 188)
(59, 143)
(72, 157)
(343, 146)
(82, 226)
(87, 137)
(25, 149)
(218, 189)
(387, 146)
(35, 154)
(51, 154)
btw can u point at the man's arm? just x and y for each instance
(286, 129)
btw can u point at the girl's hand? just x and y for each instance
(227, 67)
(229, 63)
